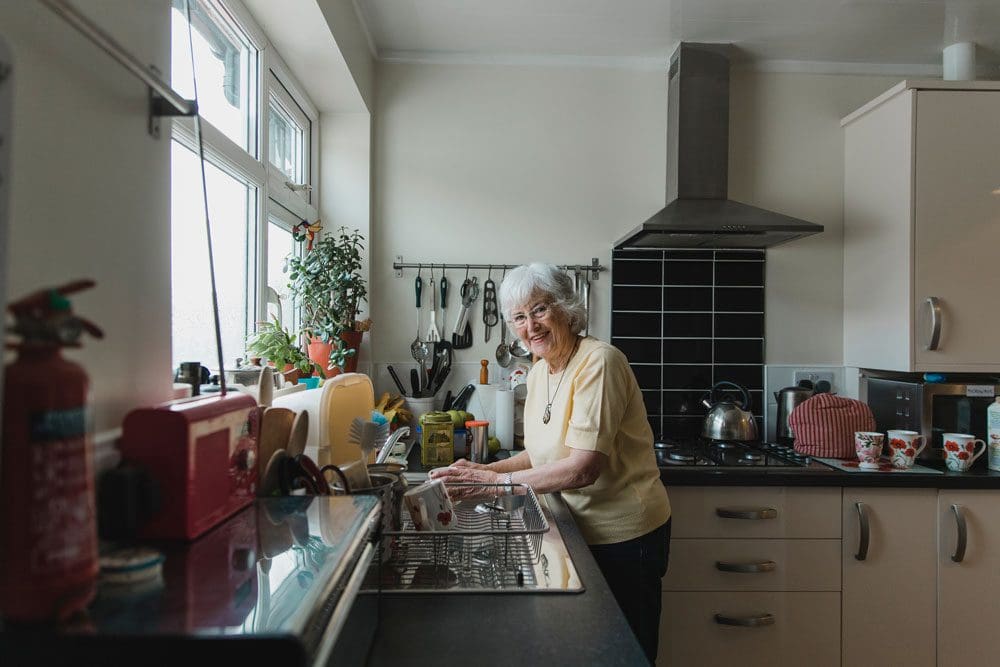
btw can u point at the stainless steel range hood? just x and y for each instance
(699, 213)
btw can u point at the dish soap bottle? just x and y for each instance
(993, 434)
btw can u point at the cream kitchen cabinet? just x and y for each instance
(889, 561)
(968, 578)
(754, 577)
(922, 228)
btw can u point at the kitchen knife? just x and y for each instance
(395, 378)
(461, 401)
(439, 380)
(447, 401)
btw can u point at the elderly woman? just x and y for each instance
(587, 436)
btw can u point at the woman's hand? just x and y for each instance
(468, 481)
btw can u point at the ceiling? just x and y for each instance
(870, 36)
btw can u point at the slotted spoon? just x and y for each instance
(419, 349)
(433, 335)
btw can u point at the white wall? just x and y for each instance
(484, 164)
(90, 194)
(514, 164)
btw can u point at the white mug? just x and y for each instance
(960, 450)
(903, 447)
(430, 507)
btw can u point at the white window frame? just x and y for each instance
(275, 199)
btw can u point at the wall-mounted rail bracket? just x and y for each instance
(160, 107)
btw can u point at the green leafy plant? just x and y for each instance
(329, 287)
(273, 342)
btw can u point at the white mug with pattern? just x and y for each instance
(903, 447)
(868, 445)
(960, 450)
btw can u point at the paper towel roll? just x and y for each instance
(505, 419)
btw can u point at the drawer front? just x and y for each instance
(805, 629)
(749, 512)
(753, 565)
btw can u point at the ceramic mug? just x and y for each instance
(868, 445)
(903, 447)
(430, 507)
(960, 450)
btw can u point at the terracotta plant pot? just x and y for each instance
(319, 353)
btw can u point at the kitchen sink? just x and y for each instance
(507, 545)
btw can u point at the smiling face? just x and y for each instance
(543, 329)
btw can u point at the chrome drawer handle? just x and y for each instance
(935, 334)
(745, 621)
(746, 512)
(748, 568)
(863, 537)
(959, 554)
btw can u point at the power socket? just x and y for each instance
(815, 376)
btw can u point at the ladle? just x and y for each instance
(518, 349)
(503, 352)
(418, 348)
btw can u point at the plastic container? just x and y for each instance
(993, 434)
(437, 439)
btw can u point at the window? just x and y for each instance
(253, 200)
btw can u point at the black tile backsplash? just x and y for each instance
(687, 319)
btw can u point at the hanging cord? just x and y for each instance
(204, 192)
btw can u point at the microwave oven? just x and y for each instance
(930, 408)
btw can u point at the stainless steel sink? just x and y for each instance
(497, 548)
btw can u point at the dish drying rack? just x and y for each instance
(496, 541)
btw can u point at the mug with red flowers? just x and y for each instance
(960, 450)
(904, 447)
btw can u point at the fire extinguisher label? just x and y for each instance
(58, 424)
(63, 519)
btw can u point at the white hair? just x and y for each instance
(546, 281)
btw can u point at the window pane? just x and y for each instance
(286, 140)
(279, 244)
(225, 67)
(231, 208)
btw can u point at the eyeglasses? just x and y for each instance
(538, 313)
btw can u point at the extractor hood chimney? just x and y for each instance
(699, 213)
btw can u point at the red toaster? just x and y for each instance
(202, 456)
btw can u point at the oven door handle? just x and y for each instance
(344, 604)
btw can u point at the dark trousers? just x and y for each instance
(633, 570)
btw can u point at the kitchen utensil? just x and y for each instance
(461, 337)
(276, 426)
(365, 434)
(265, 387)
(418, 349)
(788, 399)
(433, 334)
(461, 401)
(727, 420)
(298, 434)
(270, 484)
(479, 453)
(415, 382)
(489, 307)
(585, 296)
(448, 400)
(518, 349)
(395, 378)
(503, 352)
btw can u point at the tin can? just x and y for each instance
(437, 439)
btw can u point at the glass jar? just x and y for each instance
(437, 439)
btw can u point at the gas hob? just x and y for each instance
(718, 454)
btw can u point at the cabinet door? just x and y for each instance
(968, 589)
(889, 593)
(957, 228)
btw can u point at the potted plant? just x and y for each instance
(274, 343)
(329, 287)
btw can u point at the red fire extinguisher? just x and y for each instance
(48, 532)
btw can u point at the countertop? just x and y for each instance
(507, 629)
(978, 478)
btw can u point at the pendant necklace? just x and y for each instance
(547, 415)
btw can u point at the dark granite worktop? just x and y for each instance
(977, 478)
(464, 629)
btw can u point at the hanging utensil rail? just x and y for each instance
(594, 268)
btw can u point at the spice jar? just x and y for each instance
(437, 439)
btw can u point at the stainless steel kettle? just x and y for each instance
(727, 420)
(788, 399)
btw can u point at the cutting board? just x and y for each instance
(851, 465)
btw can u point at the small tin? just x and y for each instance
(437, 439)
